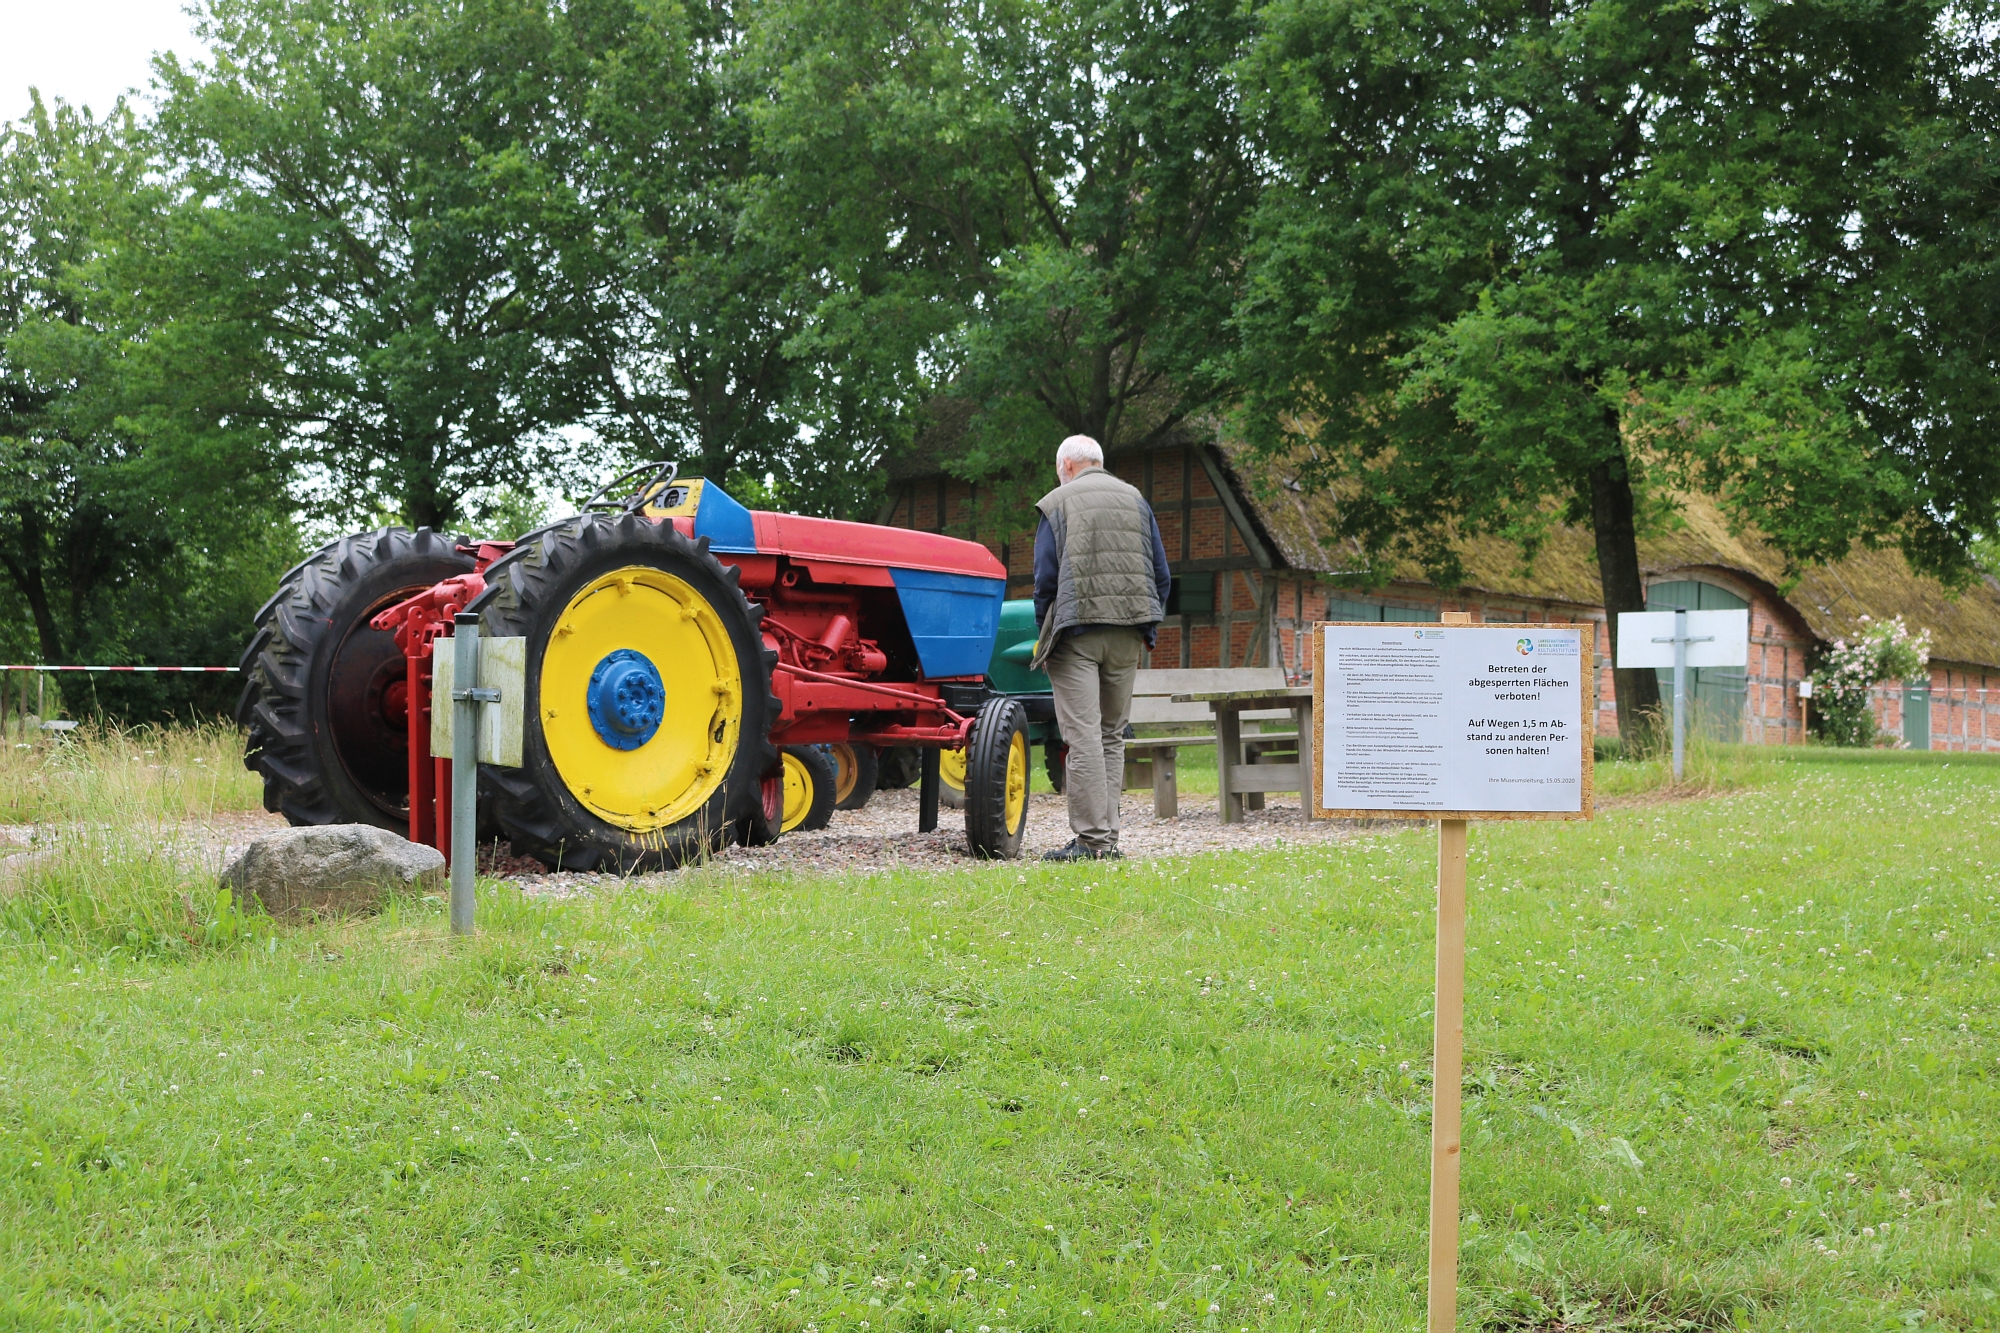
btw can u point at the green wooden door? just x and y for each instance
(1917, 714)
(1716, 695)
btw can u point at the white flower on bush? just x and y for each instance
(1881, 650)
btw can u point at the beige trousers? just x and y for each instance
(1092, 672)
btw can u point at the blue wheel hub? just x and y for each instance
(627, 699)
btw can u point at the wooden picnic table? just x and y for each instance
(1235, 779)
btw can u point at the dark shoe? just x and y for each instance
(1073, 850)
(1111, 854)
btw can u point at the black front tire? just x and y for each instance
(1055, 757)
(818, 771)
(898, 767)
(996, 780)
(319, 684)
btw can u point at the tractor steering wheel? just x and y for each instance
(658, 476)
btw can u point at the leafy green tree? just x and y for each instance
(701, 362)
(1035, 206)
(389, 207)
(1522, 264)
(139, 522)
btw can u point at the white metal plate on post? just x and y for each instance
(1727, 635)
(503, 666)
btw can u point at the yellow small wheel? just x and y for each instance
(996, 780)
(951, 779)
(810, 778)
(856, 770)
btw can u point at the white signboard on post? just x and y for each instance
(1714, 638)
(1454, 721)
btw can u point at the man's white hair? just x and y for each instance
(1079, 451)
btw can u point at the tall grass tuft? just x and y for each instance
(1646, 764)
(121, 774)
(109, 865)
(89, 889)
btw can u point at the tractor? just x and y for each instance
(694, 673)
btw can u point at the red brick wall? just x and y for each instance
(1206, 538)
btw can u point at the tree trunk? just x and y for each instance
(26, 576)
(1612, 514)
(424, 507)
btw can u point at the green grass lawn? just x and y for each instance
(1731, 1062)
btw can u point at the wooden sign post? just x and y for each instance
(1453, 722)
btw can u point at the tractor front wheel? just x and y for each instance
(855, 778)
(811, 778)
(1055, 756)
(996, 780)
(951, 779)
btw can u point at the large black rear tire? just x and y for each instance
(321, 688)
(541, 808)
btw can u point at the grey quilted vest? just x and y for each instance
(1104, 543)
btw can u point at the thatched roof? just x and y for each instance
(1830, 600)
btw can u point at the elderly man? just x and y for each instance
(1100, 590)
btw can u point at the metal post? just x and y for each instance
(1680, 691)
(464, 767)
(927, 790)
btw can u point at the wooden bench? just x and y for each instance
(1154, 761)
(1154, 690)
(1265, 767)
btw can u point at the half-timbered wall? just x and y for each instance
(1262, 610)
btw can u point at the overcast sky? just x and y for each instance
(85, 51)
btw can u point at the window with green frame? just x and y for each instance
(1350, 608)
(1716, 694)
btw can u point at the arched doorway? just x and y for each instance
(1716, 695)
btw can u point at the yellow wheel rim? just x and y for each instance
(951, 769)
(1017, 781)
(845, 772)
(798, 794)
(677, 769)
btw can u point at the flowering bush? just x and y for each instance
(1882, 650)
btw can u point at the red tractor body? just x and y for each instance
(872, 636)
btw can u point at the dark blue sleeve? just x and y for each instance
(1163, 578)
(1045, 570)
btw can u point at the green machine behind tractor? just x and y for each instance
(1007, 673)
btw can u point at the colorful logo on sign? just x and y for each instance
(1524, 646)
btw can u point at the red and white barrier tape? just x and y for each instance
(112, 668)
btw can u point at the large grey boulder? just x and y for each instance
(331, 870)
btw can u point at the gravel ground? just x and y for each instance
(883, 835)
(884, 832)
(880, 836)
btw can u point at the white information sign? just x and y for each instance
(1455, 721)
(1715, 638)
